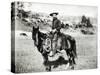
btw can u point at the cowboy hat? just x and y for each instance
(51, 14)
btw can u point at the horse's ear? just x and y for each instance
(33, 27)
(38, 27)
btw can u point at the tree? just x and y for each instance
(83, 19)
(89, 23)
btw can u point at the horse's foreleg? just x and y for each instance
(48, 68)
(46, 63)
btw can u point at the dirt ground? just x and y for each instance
(28, 59)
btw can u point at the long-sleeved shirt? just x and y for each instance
(56, 24)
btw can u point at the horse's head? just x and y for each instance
(47, 45)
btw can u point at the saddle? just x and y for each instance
(51, 38)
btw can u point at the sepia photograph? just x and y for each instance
(53, 37)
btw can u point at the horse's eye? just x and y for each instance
(48, 48)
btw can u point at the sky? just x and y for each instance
(68, 10)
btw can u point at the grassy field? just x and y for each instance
(28, 59)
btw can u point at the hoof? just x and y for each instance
(48, 69)
(72, 67)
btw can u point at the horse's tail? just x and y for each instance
(72, 50)
(74, 47)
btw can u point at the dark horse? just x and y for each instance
(66, 43)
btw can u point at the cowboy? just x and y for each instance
(56, 26)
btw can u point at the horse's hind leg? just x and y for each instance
(72, 67)
(74, 48)
(71, 64)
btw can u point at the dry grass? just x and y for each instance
(28, 59)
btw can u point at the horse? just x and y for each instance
(45, 46)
